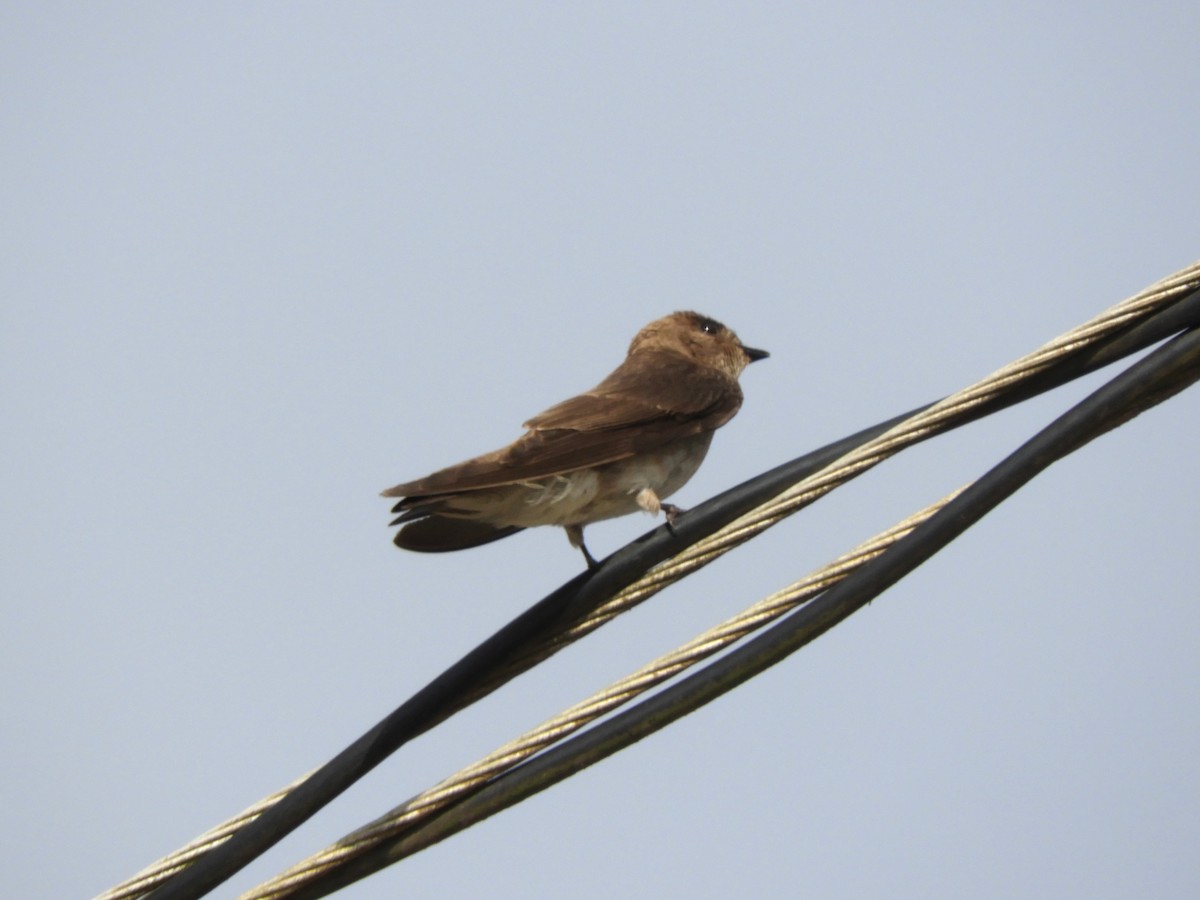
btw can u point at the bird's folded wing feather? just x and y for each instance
(643, 405)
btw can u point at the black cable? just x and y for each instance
(1165, 372)
(474, 674)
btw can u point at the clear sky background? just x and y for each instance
(262, 261)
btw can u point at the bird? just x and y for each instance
(625, 445)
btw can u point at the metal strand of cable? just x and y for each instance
(408, 817)
(1154, 301)
(1148, 382)
(155, 873)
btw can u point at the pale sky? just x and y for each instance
(265, 260)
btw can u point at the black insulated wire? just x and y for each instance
(1165, 372)
(489, 664)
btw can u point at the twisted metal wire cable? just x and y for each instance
(934, 419)
(162, 869)
(425, 805)
(1150, 381)
(1164, 373)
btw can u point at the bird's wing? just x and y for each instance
(645, 388)
(638, 408)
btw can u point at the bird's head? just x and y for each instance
(699, 338)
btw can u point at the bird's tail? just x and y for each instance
(439, 534)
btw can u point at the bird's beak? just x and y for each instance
(756, 355)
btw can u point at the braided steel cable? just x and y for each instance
(410, 815)
(572, 611)
(154, 874)
(417, 824)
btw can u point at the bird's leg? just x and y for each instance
(575, 536)
(648, 500)
(591, 560)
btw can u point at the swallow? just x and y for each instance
(625, 445)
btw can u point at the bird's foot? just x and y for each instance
(672, 512)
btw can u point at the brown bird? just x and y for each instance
(627, 444)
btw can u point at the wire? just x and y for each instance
(500, 779)
(413, 814)
(155, 873)
(1161, 309)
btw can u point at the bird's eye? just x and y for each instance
(710, 326)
